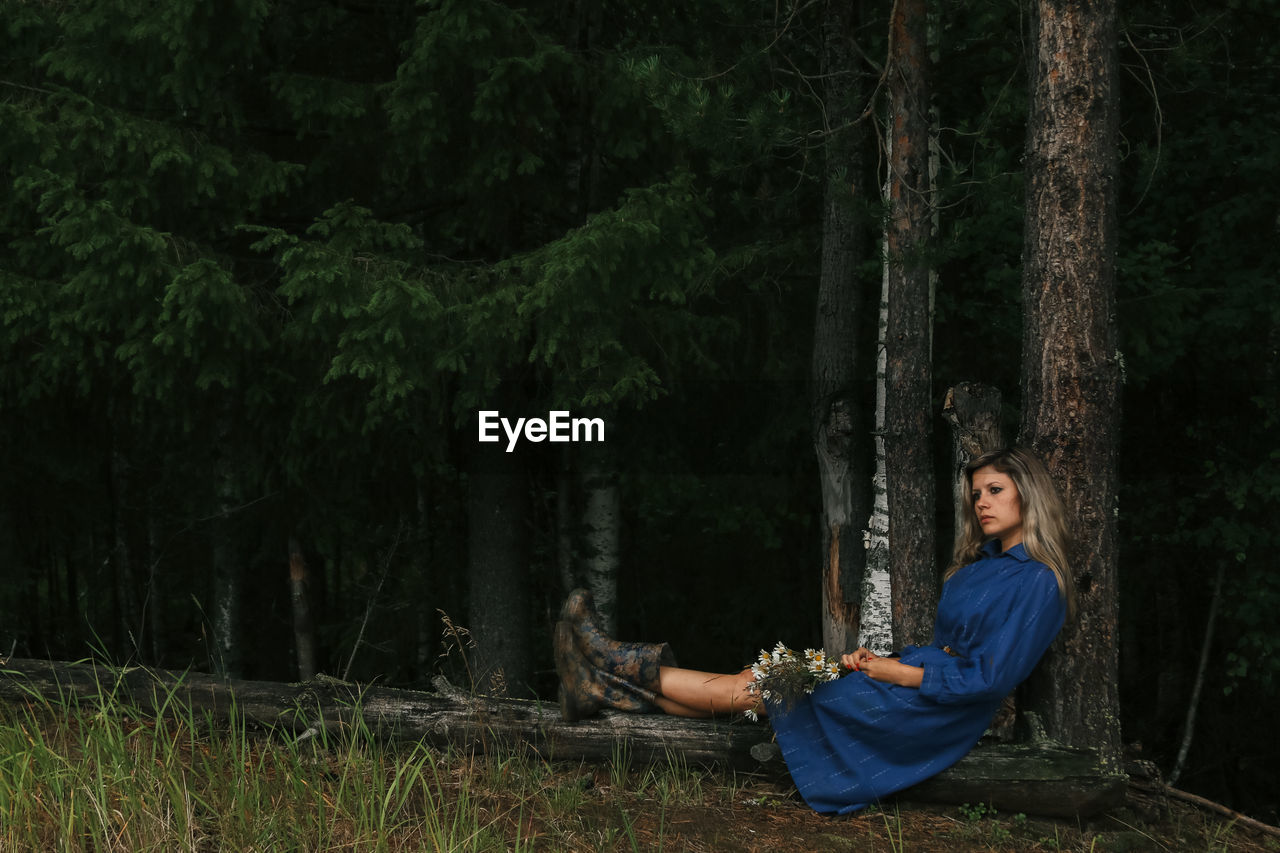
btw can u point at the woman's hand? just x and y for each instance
(856, 660)
(887, 670)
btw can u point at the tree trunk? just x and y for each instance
(226, 655)
(973, 411)
(498, 615)
(876, 631)
(836, 410)
(124, 587)
(157, 592)
(1034, 778)
(304, 636)
(425, 593)
(1189, 727)
(908, 341)
(566, 523)
(1070, 369)
(601, 532)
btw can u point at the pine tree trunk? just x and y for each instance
(837, 414)
(303, 628)
(566, 523)
(908, 341)
(498, 615)
(601, 533)
(1070, 371)
(973, 411)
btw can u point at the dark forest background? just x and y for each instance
(262, 262)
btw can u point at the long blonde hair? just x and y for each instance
(1044, 517)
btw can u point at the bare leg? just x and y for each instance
(691, 693)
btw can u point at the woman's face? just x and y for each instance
(997, 505)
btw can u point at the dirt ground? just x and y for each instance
(767, 815)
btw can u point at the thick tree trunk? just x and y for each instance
(1038, 778)
(836, 409)
(1070, 368)
(498, 615)
(908, 340)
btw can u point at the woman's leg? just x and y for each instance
(691, 693)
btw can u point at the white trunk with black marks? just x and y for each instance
(601, 535)
(226, 658)
(876, 632)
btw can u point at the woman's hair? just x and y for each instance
(1044, 517)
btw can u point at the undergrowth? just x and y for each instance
(107, 777)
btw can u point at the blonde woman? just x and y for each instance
(892, 721)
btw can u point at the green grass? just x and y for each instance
(115, 779)
(106, 777)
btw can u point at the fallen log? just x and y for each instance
(1041, 778)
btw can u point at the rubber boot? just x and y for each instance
(633, 663)
(585, 690)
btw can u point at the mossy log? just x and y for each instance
(1041, 779)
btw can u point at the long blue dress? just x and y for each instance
(855, 740)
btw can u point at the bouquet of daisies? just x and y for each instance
(783, 676)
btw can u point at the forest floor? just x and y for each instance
(114, 779)
(700, 811)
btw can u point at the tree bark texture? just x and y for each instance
(601, 531)
(1040, 779)
(908, 342)
(837, 416)
(973, 411)
(304, 636)
(1070, 366)
(227, 655)
(876, 630)
(499, 614)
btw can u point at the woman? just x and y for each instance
(889, 723)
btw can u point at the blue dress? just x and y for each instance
(855, 740)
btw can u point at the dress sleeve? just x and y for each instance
(1003, 658)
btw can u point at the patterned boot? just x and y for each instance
(585, 690)
(637, 664)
